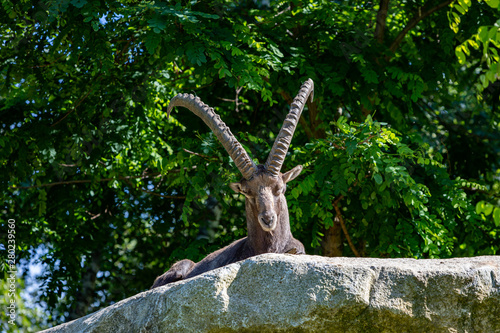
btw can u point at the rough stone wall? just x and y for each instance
(292, 293)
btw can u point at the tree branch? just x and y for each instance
(124, 178)
(84, 181)
(344, 228)
(49, 64)
(201, 155)
(422, 13)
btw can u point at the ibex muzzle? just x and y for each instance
(264, 186)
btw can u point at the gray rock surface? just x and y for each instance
(292, 293)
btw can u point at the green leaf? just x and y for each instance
(492, 33)
(152, 42)
(223, 72)
(483, 34)
(79, 3)
(351, 146)
(378, 178)
(459, 8)
(493, 3)
(236, 51)
(361, 177)
(158, 23)
(370, 76)
(480, 207)
(488, 209)
(460, 55)
(275, 50)
(496, 216)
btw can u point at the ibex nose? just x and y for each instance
(268, 221)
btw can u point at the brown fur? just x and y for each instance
(268, 227)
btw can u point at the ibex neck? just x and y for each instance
(268, 241)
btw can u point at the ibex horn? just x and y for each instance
(240, 157)
(282, 142)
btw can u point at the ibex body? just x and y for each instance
(264, 187)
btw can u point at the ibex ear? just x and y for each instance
(236, 187)
(292, 174)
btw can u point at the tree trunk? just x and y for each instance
(332, 244)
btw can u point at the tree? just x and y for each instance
(400, 143)
(26, 317)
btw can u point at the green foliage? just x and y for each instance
(488, 36)
(28, 318)
(111, 192)
(485, 209)
(396, 200)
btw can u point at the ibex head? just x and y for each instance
(263, 185)
(265, 195)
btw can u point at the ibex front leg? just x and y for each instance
(177, 272)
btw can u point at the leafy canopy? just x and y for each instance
(400, 145)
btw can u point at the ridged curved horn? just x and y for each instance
(240, 157)
(282, 142)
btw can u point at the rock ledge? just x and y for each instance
(290, 293)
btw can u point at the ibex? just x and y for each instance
(263, 186)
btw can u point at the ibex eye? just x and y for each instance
(278, 190)
(246, 192)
